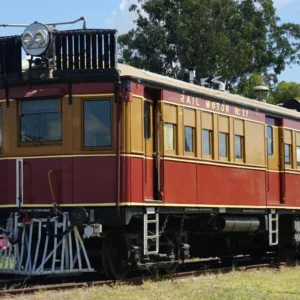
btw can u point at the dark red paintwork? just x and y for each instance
(74, 180)
(58, 90)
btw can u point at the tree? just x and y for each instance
(230, 38)
(285, 91)
(246, 85)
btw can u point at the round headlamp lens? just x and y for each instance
(27, 38)
(39, 38)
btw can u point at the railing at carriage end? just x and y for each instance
(10, 58)
(84, 51)
(43, 246)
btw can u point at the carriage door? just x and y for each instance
(152, 161)
(275, 177)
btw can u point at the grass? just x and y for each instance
(269, 284)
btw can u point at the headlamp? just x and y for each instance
(36, 39)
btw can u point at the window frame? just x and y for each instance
(289, 163)
(297, 161)
(210, 137)
(221, 157)
(189, 153)
(272, 142)
(149, 136)
(242, 148)
(42, 143)
(97, 98)
(170, 151)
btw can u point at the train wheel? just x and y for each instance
(115, 258)
(170, 268)
(105, 254)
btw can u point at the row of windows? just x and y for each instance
(207, 141)
(287, 148)
(41, 121)
(288, 154)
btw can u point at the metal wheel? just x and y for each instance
(115, 255)
(170, 268)
(105, 254)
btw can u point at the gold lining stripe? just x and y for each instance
(193, 160)
(154, 203)
(137, 156)
(78, 155)
(139, 96)
(92, 95)
(58, 156)
(221, 164)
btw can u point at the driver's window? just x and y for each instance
(40, 120)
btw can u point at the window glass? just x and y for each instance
(298, 156)
(223, 144)
(97, 123)
(270, 140)
(206, 141)
(169, 136)
(239, 140)
(287, 154)
(188, 139)
(40, 120)
(147, 119)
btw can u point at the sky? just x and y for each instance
(112, 14)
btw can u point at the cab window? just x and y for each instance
(40, 120)
(97, 123)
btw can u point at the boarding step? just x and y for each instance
(151, 232)
(273, 229)
(43, 247)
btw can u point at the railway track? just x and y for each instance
(23, 289)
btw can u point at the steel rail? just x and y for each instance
(140, 280)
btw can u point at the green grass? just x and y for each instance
(269, 284)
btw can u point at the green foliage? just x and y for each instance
(245, 88)
(230, 38)
(285, 91)
(278, 94)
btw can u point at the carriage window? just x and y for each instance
(40, 120)
(147, 120)
(287, 154)
(169, 136)
(239, 141)
(206, 141)
(97, 123)
(223, 144)
(298, 156)
(270, 140)
(189, 139)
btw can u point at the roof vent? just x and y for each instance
(259, 92)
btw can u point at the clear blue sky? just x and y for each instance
(109, 14)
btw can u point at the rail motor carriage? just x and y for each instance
(107, 167)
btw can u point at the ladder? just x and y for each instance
(273, 229)
(151, 231)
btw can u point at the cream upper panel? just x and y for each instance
(126, 70)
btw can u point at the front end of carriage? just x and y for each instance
(60, 146)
